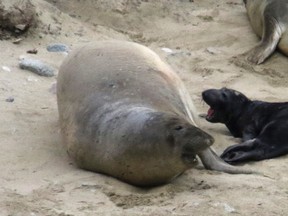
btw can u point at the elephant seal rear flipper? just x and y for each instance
(269, 19)
(271, 36)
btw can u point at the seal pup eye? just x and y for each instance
(224, 95)
(178, 127)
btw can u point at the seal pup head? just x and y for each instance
(224, 103)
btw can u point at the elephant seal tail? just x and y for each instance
(211, 161)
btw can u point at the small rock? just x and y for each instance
(213, 50)
(36, 66)
(227, 207)
(10, 99)
(5, 68)
(21, 27)
(167, 50)
(33, 51)
(17, 41)
(58, 47)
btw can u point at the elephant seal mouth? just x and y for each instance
(190, 158)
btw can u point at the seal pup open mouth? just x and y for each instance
(210, 114)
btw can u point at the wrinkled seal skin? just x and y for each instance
(263, 126)
(269, 19)
(123, 112)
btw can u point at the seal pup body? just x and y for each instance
(262, 125)
(126, 113)
(269, 20)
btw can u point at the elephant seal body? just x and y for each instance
(269, 19)
(125, 113)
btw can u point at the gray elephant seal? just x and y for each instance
(125, 113)
(269, 19)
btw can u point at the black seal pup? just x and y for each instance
(263, 126)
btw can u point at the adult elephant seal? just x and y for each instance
(125, 113)
(269, 19)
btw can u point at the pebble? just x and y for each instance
(37, 66)
(227, 207)
(58, 47)
(32, 51)
(167, 50)
(5, 68)
(10, 99)
(21, 27)
(213, 50)
(17, 41)
(176, 52)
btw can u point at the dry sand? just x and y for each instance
(207, 38)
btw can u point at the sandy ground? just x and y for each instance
(207, 38)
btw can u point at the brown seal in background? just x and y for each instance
(269, 19)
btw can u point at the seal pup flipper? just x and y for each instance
(211, 161)
(272, 32)
(253, 149)
(245, 151)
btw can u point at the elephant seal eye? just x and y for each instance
(178, 127)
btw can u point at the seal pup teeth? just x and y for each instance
(262, 125)
(269, 20)
(125, 113)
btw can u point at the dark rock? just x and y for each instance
(58, 47)
(37, 66)
(10, 99)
